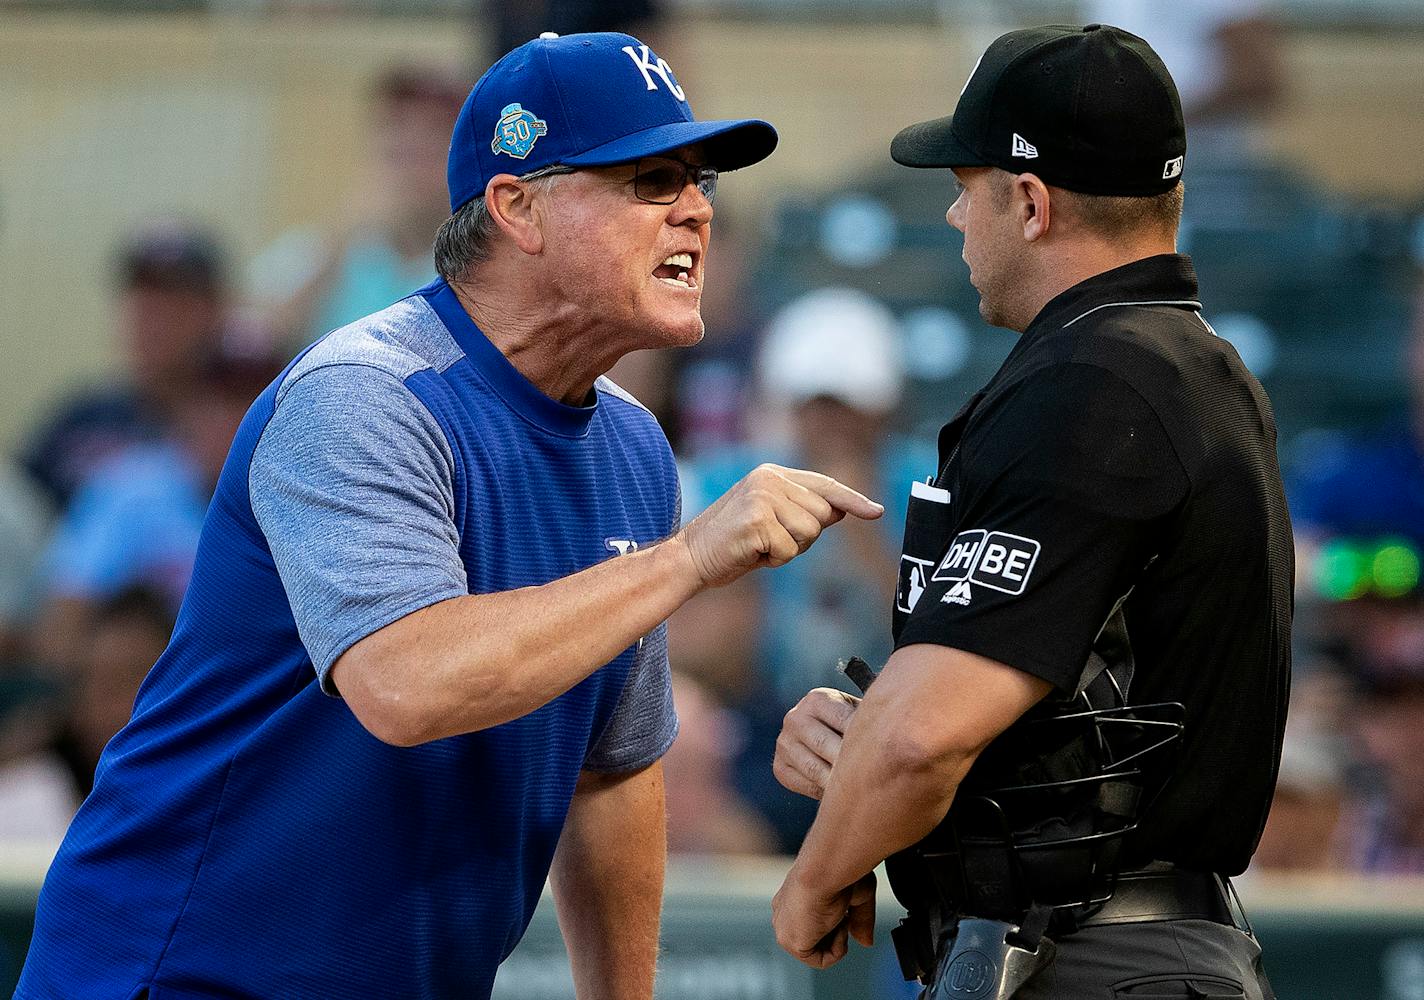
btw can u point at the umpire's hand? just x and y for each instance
(810, 740)
(769, 518)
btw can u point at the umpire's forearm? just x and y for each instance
(473, 662)
(885, 792)
(914, 736)
(608, 883)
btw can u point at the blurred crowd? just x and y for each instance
(102, 502)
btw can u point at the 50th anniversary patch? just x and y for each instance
(993, 559)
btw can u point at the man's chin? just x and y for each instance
(986, 311)
(682, 334)
(990, 313)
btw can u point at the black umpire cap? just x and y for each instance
(1090, 109)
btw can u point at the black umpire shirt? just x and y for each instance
(1123, 457)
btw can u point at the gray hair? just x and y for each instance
(467, 237)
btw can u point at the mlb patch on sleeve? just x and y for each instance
(993, 559)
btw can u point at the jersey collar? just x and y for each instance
(1166, 279)
(517, 392)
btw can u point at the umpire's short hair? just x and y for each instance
(1117, 216)
(467, 237)
(1110, 216)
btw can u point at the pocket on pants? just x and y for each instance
(1179, 987)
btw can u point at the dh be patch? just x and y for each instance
(993, 559)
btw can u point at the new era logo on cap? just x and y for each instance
(1024, 148)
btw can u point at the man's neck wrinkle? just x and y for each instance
(543, 352)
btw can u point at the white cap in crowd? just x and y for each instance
(836, 342)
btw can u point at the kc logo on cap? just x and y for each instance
(641, 56)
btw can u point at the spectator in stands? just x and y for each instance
(24, 525)
(128, 633)
(35, 802)
(37, 797)
(1357, 505)
(135, 520)
(1303, 829)
(830, 375)
(51, 736)
(169, 314)
(310, 282)
(1382, 829)
(706, 814)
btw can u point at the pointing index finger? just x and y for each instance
(837, 494)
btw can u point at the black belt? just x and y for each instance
(1154, 894)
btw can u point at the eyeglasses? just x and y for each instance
(660, 180)
(657, 180)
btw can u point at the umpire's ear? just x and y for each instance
(510, 203)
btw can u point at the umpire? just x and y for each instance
(1076, 739)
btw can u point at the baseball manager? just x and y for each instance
(1076, 739)
(421, 665)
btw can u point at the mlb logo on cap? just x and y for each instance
(585, 100)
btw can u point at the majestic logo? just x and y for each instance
(1172, 169)
(993, 559)
(648, 64)
(622, 546)
(516, 132)
(958, 594)
(912, 582)
(1024, 148)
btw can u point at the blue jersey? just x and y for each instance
(246, 837)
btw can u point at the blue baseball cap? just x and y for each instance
(584, 100)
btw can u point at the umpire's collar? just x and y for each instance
(1166, 279)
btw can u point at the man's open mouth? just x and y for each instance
(676, 271)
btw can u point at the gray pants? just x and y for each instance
(1169, 960)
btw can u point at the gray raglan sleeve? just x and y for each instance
(352, 484)
(644, 724)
